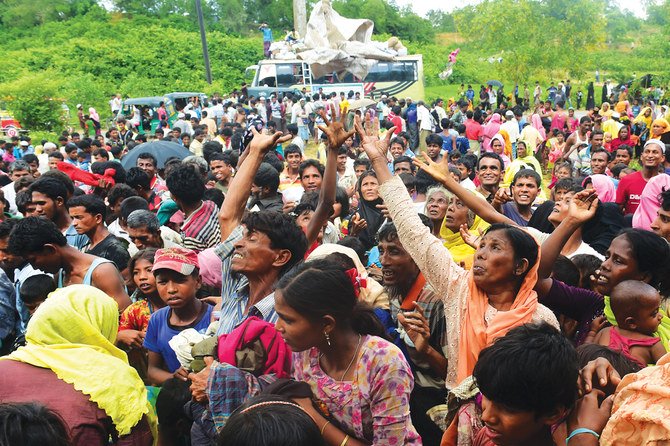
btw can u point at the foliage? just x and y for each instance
(34, 101)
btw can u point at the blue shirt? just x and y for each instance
(74, 239)
(267, 34)
(160, 332)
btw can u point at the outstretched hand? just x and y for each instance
(374, 147)
(583, 206)
(335, 130)
(263, 143)
(469, 238)
(439, 171)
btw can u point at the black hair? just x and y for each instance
(36, 288)
(32, 424)
(362, 162)
(148, 254)
(493, 155)
(148, 156)
(343, 150)
(311, 163)
(102, 166)
(273, 160)
(357, 245)
(424, 182)
(528, 173)
(524, 244)
(587, 264)
(229, 157)
(50, 187)
(267, 176)
(215, 196)
(409, 181)
(533, 368)
(337, 298)
(565, 271)
(270, 420)
(31, 234)
(22, 200)
(282, 231)
(120, 192)
(342, 198)
(565, 184)
(434, 138)
(664, 198)
(57, 155)
(210, 148)
(31, 158)
(292, 148)
(467, 162)
(389, 233)
(6, 226)
(652, 254)
(136, 178)
(97, 152)
(292, 129)
(397, 140)
(627, 148)
(620, 363)
(170, 402)
(404, 159)
(91, 203)
(130, 204)
(186, 184)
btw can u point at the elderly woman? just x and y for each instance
(437, 202)
(71, 365)
(481, 304)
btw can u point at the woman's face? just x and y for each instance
(370, 188)
(143, 277)
(560, 210)
(620, 264)
(521, 150)
(656, 129)
(456, 214)
(561, 138)
(494, 263)
(298, 332)
(647, 112)
(436, 206)
(563, 172)
(303, 220)
(623, 133)
(497, 146)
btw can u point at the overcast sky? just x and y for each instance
(421, 7)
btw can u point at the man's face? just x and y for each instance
(359, 170)
(433, 151)
(584, 127)
(622, 156)
(598, 163)
(404, 167)
(397, 150)
(113, 134)
(652, 156)
(524, 191)
(76, 139)
(489, 171)
(8, 262)
(293, 160)
(398, 268)
(148, 166)
(341, 162)
(143, 238)
(660, 225)
(84, 222)
(99, 158)
(72, 155)
(311, 179)
(19, 174)
(45, 206)
(465, 173)
(253, 254)
(220, 169)
(200, 137)
(186, 140)
(597, 141)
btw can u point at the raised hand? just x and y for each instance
(335, 130)
(356, 225)
(469, 238)
(583, 206)
(439, 171)
(262, 143)
(417, 328)
(374, 147)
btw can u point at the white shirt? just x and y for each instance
(424, 118)
(512, 129)
(10, 196)
(298, 141)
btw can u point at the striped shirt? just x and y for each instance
(201, 229)
(235, 290)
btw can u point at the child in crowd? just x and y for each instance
(35, 289)
(635, 305)
(177, 280)
(561, 170)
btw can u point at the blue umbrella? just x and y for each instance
(494, 83)
(162, 150)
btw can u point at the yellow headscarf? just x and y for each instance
(663, 123)
(459, 250)
(644, 119)
(73, 333)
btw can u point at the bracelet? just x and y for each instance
(323, 429)
(346, 439)
(580, 430)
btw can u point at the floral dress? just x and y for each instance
(374, 406)
(136, 316)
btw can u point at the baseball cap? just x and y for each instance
(182, 260)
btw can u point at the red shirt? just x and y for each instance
(629, 190)
(473, 129)
(397, 122)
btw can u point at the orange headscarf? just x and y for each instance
(508, 142)
(475, 335)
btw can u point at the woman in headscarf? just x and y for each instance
(458, 217)
(659, 129)
(508, 143)
(603, 185)
(650, 201)
(498, 147)
(95, 118)
(605, 111)
(590, 97)
(623, 138)
(437, 200)
(366, 220)
(71, 365)
(489, 131)
(534, 133)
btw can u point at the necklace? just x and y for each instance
(353, 358)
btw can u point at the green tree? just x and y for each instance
(35, 101)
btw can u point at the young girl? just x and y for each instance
(561, 170)
(557, 147)
(635, 306)
(177, 280)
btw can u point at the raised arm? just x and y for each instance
(233, 206)
(337, 134)
(481, 207)
(582, 208)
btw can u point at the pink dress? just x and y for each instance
(620, 343)
(375, 405)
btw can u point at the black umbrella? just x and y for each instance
(494, 83)
(162, 150)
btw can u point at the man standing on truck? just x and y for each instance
(267, 38)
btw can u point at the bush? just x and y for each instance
(34, 101)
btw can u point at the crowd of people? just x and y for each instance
(459, 273)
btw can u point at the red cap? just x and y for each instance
(182, 260)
